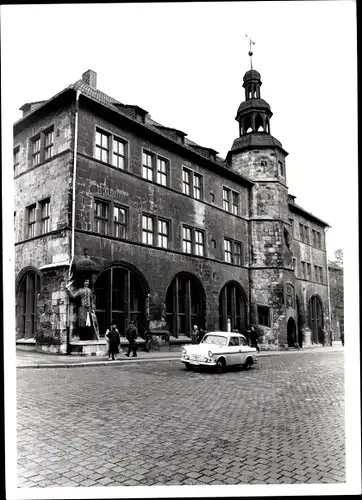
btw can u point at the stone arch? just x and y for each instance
(315, 317)
(121, 293)
(233, 306)
(28, 285)
(185, 302)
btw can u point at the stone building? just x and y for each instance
(335, 273)
(168, 233)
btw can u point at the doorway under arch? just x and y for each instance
(315, 317)
(26, 304)
(291, 332)
(232, 306)
(120, 294)
(185, 304)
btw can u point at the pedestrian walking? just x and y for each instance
(254, 338)
(195, 335)
(131, 336)
(342, 338)
(114, 341)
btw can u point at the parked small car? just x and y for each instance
(219, 350)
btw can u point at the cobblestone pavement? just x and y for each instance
(157, 423)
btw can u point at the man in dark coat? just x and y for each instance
(254, 338)
(131, 336)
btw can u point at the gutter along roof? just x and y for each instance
(130, 112)
(300, 210)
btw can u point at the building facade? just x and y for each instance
(168, 233)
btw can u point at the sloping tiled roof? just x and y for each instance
(131, 112)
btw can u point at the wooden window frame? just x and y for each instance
(31, 223)
(148, 170)
(35, 154)
(226, 200)
(161, 235)
(187, 243)
(105, 221)
(235, 206)
(197, 186)
(44, 220)
(160, 174)
(186, 186)
(99, 147)
(146, 231)
(236, 258)
(117, 157)
(198, 245)
(116, 224)
(16, 160)
(48, 147)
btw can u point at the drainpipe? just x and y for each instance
(328, 290)
(73, 209)
(74, 179)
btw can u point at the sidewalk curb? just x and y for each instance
(150, 360)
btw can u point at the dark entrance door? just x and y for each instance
(232, 306)
(26, 304)
(291, 332)
(315, 317)
(185, 305)
(120, 296)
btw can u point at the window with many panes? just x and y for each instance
(101, 217)
(16, 160)
(199, 243)
(147, 229)
(304, 233)
(31, 220)
(321, 275)
(227, 250)
(102, 145)
(120, 221)
(35, 151)
(281, 169)
(192, 184)
(233, 252)
(162, 233)
(147, 166)
(197, 186)
(49, 143)
(187, 239)
(186, 181)
(226, 199)
(162, 171)
(235, 203)
(309, 272)
(45, 216)
(119, 153)
(263, 315)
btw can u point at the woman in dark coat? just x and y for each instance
(114, 341)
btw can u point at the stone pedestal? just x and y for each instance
(307, 337)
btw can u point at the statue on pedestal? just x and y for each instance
(87, 324)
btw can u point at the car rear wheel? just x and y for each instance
(220, 365)
(248, 363)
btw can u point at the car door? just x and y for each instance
(243, 350)
(233, 351)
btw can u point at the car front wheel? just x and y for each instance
(220, 365)
(188, 366)
(248, 363)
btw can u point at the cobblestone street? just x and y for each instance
(157, 423)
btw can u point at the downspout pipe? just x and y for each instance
(72, 243)
(74, 180)
(328, 290)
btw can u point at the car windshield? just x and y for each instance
(214, 339)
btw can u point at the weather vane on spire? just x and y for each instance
(250, 51)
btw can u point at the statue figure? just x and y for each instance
(86, 318)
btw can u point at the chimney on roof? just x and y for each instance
(90, 78)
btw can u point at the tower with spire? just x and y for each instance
(259, 156)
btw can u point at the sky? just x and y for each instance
(184, 63)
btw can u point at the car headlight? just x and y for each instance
(210, 354)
